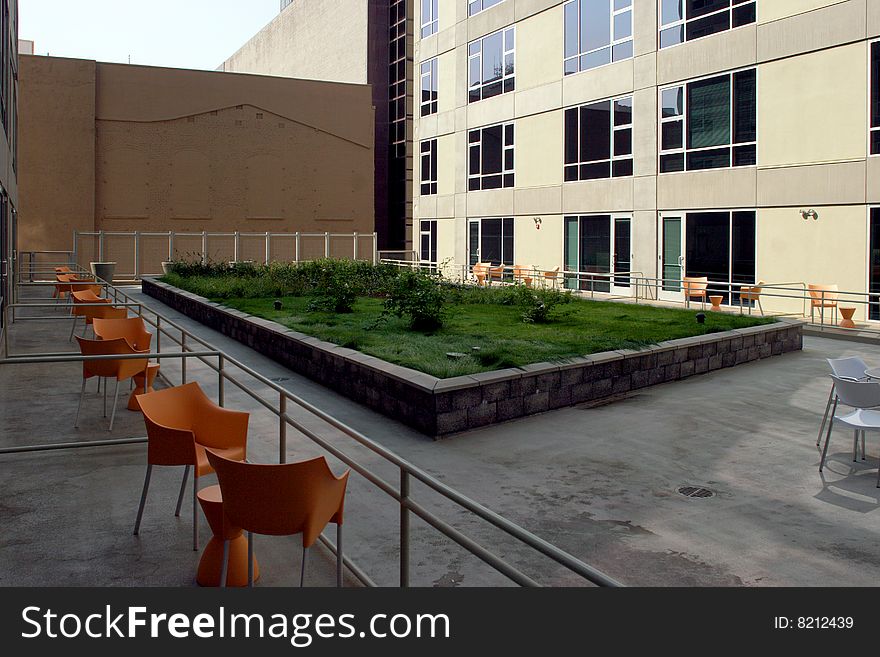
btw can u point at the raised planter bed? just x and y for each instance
(439, 407)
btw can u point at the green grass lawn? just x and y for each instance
(504, 340)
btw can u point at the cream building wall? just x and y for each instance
(812, 62)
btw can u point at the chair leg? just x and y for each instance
(137, 523)
(863, 446)
(825, 417)
(828, 435)
(339, 555)
(225, 568)
(115, 400)
(79, 406)
(250, 540)
(182, 489)
(195, 510)
(856, 445)
(105, 399)
(302, 574)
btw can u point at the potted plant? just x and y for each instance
(166, 266)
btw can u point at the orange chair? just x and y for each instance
(551, 276)
(522, 274)
(84, 305)
(181, 423)
(121, 370)
(822, 297)
(135, 333)
(63, 270)
(481, 272)
(281, 500)
(495, 274)
(695, 286)
(751, 293)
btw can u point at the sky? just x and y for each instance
(199, 34)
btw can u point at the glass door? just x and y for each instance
(598, 244)
(671, 258)
(622, 261)
(490, 240)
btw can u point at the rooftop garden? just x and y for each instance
(422, 321)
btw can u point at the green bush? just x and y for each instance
(420, 297)
(539, 305)
(338, 294)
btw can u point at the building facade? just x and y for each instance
(125, 148)
(733, 139)
(358, 42)
(8, 145)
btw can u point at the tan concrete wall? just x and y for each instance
(777, 9)
(324, 40)
(56, 151)
(165, 149)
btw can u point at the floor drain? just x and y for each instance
(695, 491)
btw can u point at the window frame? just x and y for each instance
(504, 75)
(428, 228)
(505, 171)
(684, 150)
(684, 21)
(480, 255)
(611, 44)
(431, 155)
(433, 82)
(613, 130)
(482, 6)
(432, 25)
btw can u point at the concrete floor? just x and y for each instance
(598, 482)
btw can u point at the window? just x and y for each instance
(598, 140)
(429, 166)
(685, 20)
(490, 157)
(598, 244)
(490, 240)
(709, 124)
(490, 65)
(428, 241)
(597, 32)
(429, 87)
(429, 17)
(874, 265)
(875, 98)
(476, 6)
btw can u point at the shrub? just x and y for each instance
(538, 305)
(338, 295)
(420, 297)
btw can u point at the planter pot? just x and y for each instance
(166, 267)
(103, 270)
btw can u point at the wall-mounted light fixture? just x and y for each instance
(538, 222)
(809, 214)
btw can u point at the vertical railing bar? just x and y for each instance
(182, 360)
(282, 428)
(404, 528)
(221, 380)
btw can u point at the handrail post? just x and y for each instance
(170, 245)
(183, 360)
(296, 253)
(282, 428)
(355, 240)
(158, 333)
(235, 243)
(404, 529)
(327, 245)
(137, 254)
(268, 247)
(101, 246)
(204, 246)
(375, 248)
(221, 392)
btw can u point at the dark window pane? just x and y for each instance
(571, 173)
(426, 168)
(707, 240)
(622, 51)
(874, 263)
(671, 163)
(709, 25)
(744, 15)
(473, 136)
(670, 11)
(623, 111)
(671, 36)
(473, 95)
(709, 112)
(571, 28)
(490, 241)
(491, 182)
(494, 89)
(508, 159)
(596, 131)
(474, 242)
(672, 134)
(672, 101)
(697, 8)
(714, 159)
(596, 170)
(744, 106)
(875, 142)
(491, 151)
(474, 167)
(507, 241)
(509, 85)
(571, 135)
(622, 168)
(875, 84)
(474, 184)
(508, 135)
(508, 180)
(744, 156)
(623, 142)
(594, 59)
(595, 24)
(743, 252)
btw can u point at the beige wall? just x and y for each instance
(154, 149)
(297, 43)
(777, 9)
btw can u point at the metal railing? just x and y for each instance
(141, 253)
(193, 347)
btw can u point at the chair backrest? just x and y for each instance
(695, 285)
(552, 273)
(852, 368)
(820, 294)
(88, 295)
(63, 270)
(858, 394)
(283, 499)
(496, 272)
(130, 328)
(120, 369)
(481, 268)
(522, 273)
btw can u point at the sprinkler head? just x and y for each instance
(277, 304)
(701, 318)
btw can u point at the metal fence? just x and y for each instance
(138, 254)
(280, 402)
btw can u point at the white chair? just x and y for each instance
(852, 369)
(861, 395)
